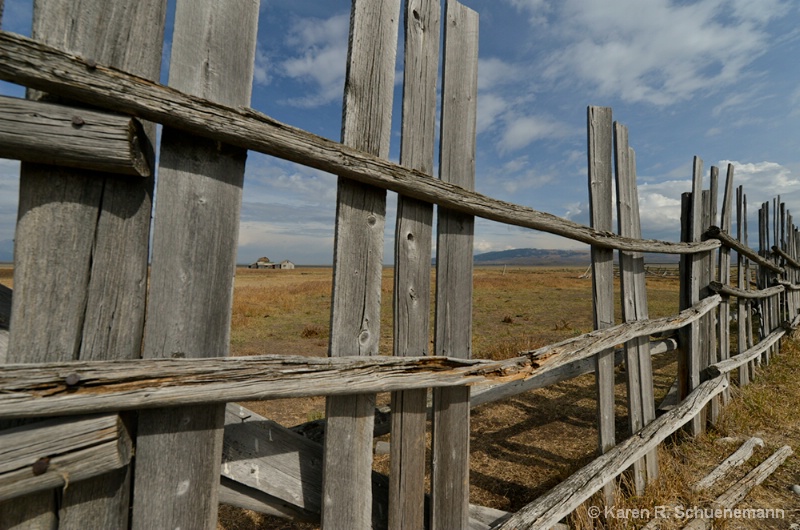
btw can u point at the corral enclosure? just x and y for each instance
(142, 349)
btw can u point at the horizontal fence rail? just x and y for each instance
(36, 65)
(51, 389)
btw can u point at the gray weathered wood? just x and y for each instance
(564, 498)
(358, 260)
(412, 262)
(191, 281)
(736, 493)
(689, 362)
(5, 320)
(641, 406)
(59, 453)
(453, 317)
(92, 305)
(748, 355)
(600, 140)
(736, 459)
(33, 64)
(41, 389)
(34, 131)
(728, 290)
(742, 309)
(715, 233)
(724, 274)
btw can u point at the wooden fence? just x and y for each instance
(118, 367)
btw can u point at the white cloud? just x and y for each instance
(322, 58)
(660, 51)
(490, 108)
(523, 130)
(493, 72)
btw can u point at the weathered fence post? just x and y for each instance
(189, 307)
(96, 226)
(689, 362)
(724, 276)
(412, 262)
(600, 152)
(453, 326)
(358, 261)
(743, 320)
(641, 405)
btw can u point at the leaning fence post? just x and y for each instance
(641, 405)
(90, 306)
(453, 335)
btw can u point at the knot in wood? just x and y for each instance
(40, 466)
(371, 220)
(77, 121)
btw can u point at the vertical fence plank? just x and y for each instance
(96, 226)
(742, 309)
(724, 274)
(412, 280)
(358, 261)
(600, 139)
(189, 308)
(630, 265)
(453, 326)
(689, 360)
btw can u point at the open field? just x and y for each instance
(525, 445)
(521, 447)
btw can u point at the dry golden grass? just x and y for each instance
(525, 445)
(7, 275)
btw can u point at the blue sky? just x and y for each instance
(713, 78)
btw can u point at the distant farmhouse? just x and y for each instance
(265, 263)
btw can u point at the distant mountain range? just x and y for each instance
(538, 256)
(534, 256)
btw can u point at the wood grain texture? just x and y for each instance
(96, 226)
(29, 63)
(641, 405)
(600, 152)
(453, 317)
(561, 500)
(724, 274)
(689, 361)
(35, 131)
(191, 282)
(55, 453)
(41, 390)
(412, 269)
(358, 260)
(739, 490)
(741, 455)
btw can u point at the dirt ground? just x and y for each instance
(523, 446)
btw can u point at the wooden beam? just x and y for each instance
(45, 133)
(33, 64)
(52, 389)
(97, 226)
(715, 232)
(550, 508)
(740, 456)
(412, 263)
(736, 493)
(450, 432)
(728, 290)
(189, 303)
(54, 453)
(358, 260)
(601, 183)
